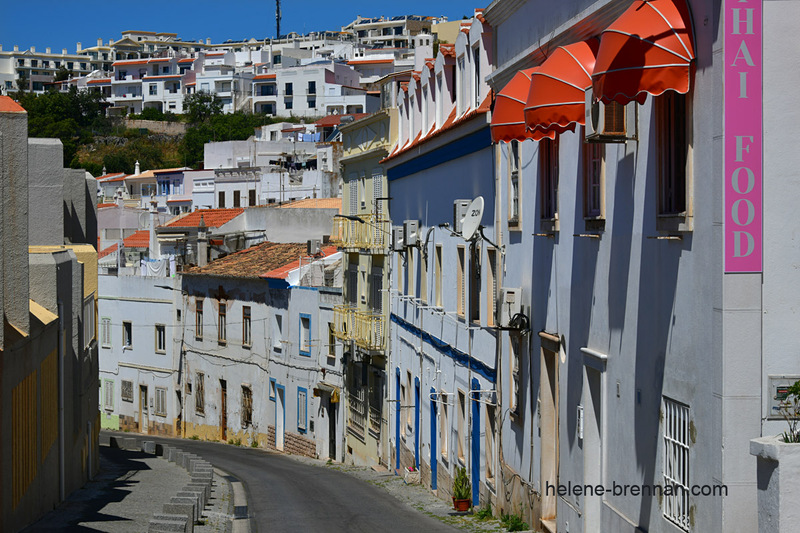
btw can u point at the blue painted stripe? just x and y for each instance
(458, 356)
(397, 419)
(476, 445)
(434, 447)
(464, 146)
(416, 422)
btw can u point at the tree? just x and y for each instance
(62, 74)
(201, 106)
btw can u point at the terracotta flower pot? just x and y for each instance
(462, 505)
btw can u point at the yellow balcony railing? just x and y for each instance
(372, 234)
(344, 233)
(344, 322)
(370, 331)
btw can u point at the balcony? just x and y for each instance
(367, 328)
(372, 235)
(344, 322)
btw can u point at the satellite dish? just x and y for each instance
(472, 219)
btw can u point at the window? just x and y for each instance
(161, 338)
(108, 397)
(331, 345)
(439, 99)
(410, 272)
(460, 282)
(105, 332)
(491, 286)
(403, 401)
(424, 105)
(461, 98)
(408, 402)
(276, 59)
(251, 197)
(247, 339)
(375, 288)
(375, 403)
(305, 334)
(287, 89)
(302, 409)
(462, 425)
(437, 275)
(287, 104)
(199, 394)
(672, 139)
(312, 103)
(513, 185)
(593, 180)
(161, 401)
(272, 387)
(126, 390)
(490, 445)
(153, 89)
(514, 341)
(237, 198)
(312, 87)
(675, 428)
(444, 426)
(222, 326)
(127, 334)
(88, 320)
(548, 175)
(198, 319)
(247, 406)
(221, 199)
(277, 333)
(423, 278)
(400, 271)
(164, 70)
(475, 283)
(476, 89)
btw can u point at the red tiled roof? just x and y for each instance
(111, 175)
(335, 120)
(121, 177)
(265, 77)
(315, 203)
(7, 105)
(140, 239)
(213, 218)
(101, 206)
(253, 261)
(186, 60)
(107, 251)
(103, 80)
(283, 272)
(370, 61)
(129, 62)
(216, 54)
(158, 60)
(163, 76)
(447, 49)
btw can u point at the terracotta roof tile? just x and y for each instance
(101, 206)
(107, 251)
(254, 261)
(109, 176)
(316, 203)
(186, 60)
(335, 120)
(283, 272)
(140, 239)
(370, 61)
(265, 77)
(103, 80)
(213, 218)
(8, 105)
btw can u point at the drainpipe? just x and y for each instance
(61, 355)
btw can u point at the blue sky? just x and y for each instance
(62, 23)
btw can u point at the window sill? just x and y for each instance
(594, 223)
(548, 225)
(222, 343)
(514, 224)
(161, 352)
(677, 222)
(247, 346)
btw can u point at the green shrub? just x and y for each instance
(513, 523)
(462, 490)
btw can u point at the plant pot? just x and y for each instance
(778, 470)
(462, 505)
(412, 477)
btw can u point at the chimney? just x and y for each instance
(136, 170)
(154, 253)
(33, 49)
(47, 50)
(99, 42)
(104, 171)
(63, 51)
(1, 47)
(16, 48)
(208, 40)
(78, 47)
(202, 243)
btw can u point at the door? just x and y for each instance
(144, 417)
(331, 428)
(280, 417)
(548, 412)
(223, 402)
(592, 447)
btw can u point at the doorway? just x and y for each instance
(144, 417)
(223, 402)
(592, 447)
(331, 428)
(548, 413)
(280, 417)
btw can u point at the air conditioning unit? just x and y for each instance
(398, 239)
(510, 305)
(609, 123)
(411, 231)
(459, 212)
(313, 247)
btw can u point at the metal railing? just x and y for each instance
(372, 234)
(370, 328)
(344, 322)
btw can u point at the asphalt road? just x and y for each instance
(286, 495)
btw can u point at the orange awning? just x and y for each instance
(508, 119)
(556, 100)
(648, 49)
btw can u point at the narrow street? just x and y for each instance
(284, 494)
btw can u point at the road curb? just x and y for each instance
(237, 509)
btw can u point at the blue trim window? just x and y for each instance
(302, 409)
(305, 334)
(272, 386)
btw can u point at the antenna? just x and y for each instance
(278, 18)
(472, 219)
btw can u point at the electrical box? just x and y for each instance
(398, 239)
(778, 388)
(313, 247)
(459, 212)
(411, 230)
(510, 305)
(609, 123)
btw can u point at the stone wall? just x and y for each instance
(292, 443)
(157, 126)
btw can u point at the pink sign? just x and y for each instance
(743, 136)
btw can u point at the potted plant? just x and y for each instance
(778, 464)
(462, 491)
(412, 476)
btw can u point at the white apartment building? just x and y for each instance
(37, 68)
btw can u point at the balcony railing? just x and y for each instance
(372, 234)
(344, 322)
(370, 330)
(375, 421)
